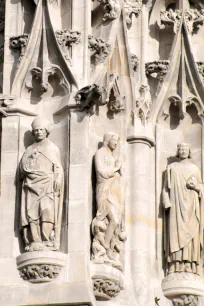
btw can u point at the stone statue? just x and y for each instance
(42, 192)
(110, 196)
(183, 201)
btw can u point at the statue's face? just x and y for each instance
(113, 143)
(40, 133)
(184, 151)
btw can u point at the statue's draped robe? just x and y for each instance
(40, 165)
(110, 191)
(184, 213)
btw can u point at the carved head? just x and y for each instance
(183, 150)
(40, 128)
(110, 140)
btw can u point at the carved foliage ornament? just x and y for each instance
(172, 18)
(134, 7)
(106, 288)
(40, 273)
(99, 49)
(66, 38)
(185, 300)
(192, 18)
(111, 9)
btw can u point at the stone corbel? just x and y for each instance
(114, 99)
(157, 69)
(111, 9)
(106, 289)
(190, 300)
(99, 49)
(193, 18)
(171, 18)
(89, 96)
(92, 96)
(66, 38)
(19, 43)
(40, 267)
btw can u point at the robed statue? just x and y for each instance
(42, 191)
(183, 200)
(110, 196)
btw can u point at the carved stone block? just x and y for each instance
(39, 267)
(107, 281)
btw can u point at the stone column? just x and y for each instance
(78, 215)
(81, 21)
(139, 216)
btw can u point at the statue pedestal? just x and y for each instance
(40, 266)
(107, 281)
(178, 284)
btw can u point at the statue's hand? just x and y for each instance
(57, 183)
(192, 184)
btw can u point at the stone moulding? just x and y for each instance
(178, 284)
(107, 281)
(40, 266)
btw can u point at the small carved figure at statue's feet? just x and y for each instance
(36, 246)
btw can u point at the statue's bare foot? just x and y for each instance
(36, 246)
